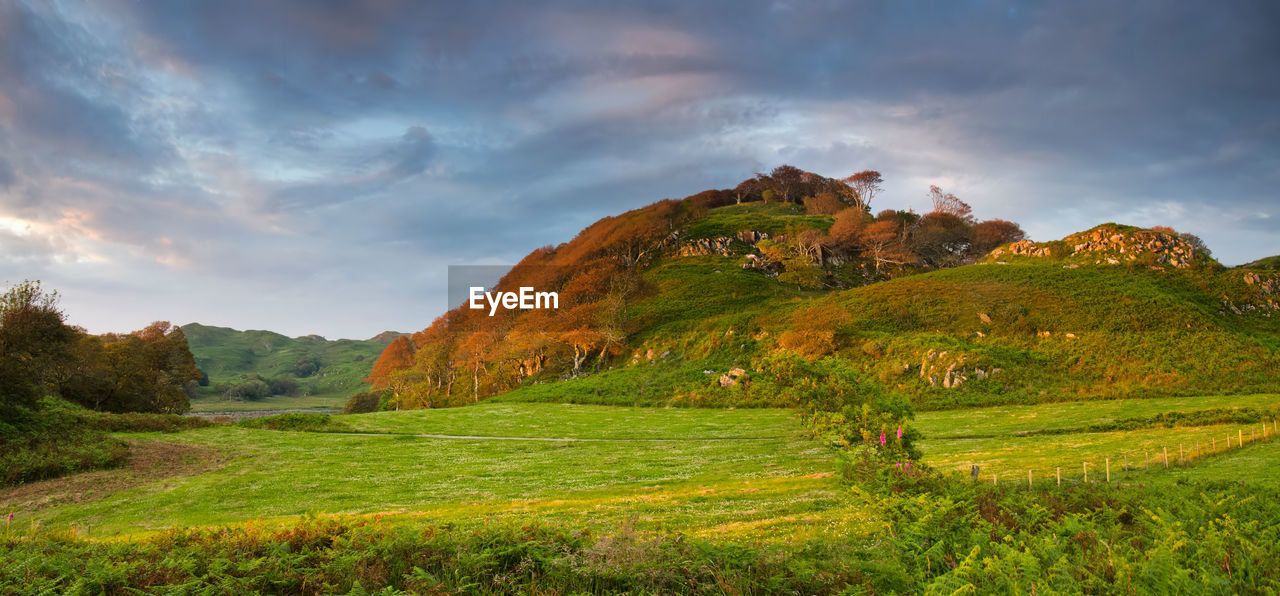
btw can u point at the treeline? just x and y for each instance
(49, 369)
(467, 354)
(860, 248)
(149, 370)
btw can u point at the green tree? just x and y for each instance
(35, 345)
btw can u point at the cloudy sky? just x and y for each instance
(314, 167)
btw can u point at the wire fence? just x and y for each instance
(1108, 469)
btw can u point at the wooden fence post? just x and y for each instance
(1029, 484)
(1166, 456)
(1108, 470)
(1086, 472)
(1059, 476)
(995, 480)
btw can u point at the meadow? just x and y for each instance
(566, 498)
(1061, 438)
(713, 472)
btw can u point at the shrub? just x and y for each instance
(363, 402)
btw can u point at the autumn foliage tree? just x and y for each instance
(866, 185)
(149, 370)
(397, 355)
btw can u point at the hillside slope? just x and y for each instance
(318, 366)
(697, 302)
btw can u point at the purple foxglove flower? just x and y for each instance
(882, 441)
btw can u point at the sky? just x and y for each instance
(315, 167)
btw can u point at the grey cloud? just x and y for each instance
(281, 157)
(7, 176)
(406, 158)
(52, 78)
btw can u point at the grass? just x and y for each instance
(770, 218)
(653, 497)
(582, 422)
(1043, 454)
(1254, 465)
(699, 483)
(1011, 420)
(1008, 441)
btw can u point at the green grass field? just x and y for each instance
(1011, 420)
(703, 472)
(642, 492)
(1004, 441)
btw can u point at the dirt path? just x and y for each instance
(148, 461)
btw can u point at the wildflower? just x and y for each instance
(882, 441)
(899, 432)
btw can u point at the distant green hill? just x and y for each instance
(324, 371)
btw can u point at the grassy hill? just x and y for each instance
(326, 372)
(1013, 329)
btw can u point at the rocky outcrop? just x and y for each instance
(1261, 294)
(1112, 245)
(734, 377)
(721, 246)
(1024, 248)
(937, 370)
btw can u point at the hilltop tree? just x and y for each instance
(824, 203)
(1196, 243)
(747, 190)
(785, 180)
(945, 202)
(989, 234)
(941, 239)
(866, 185)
